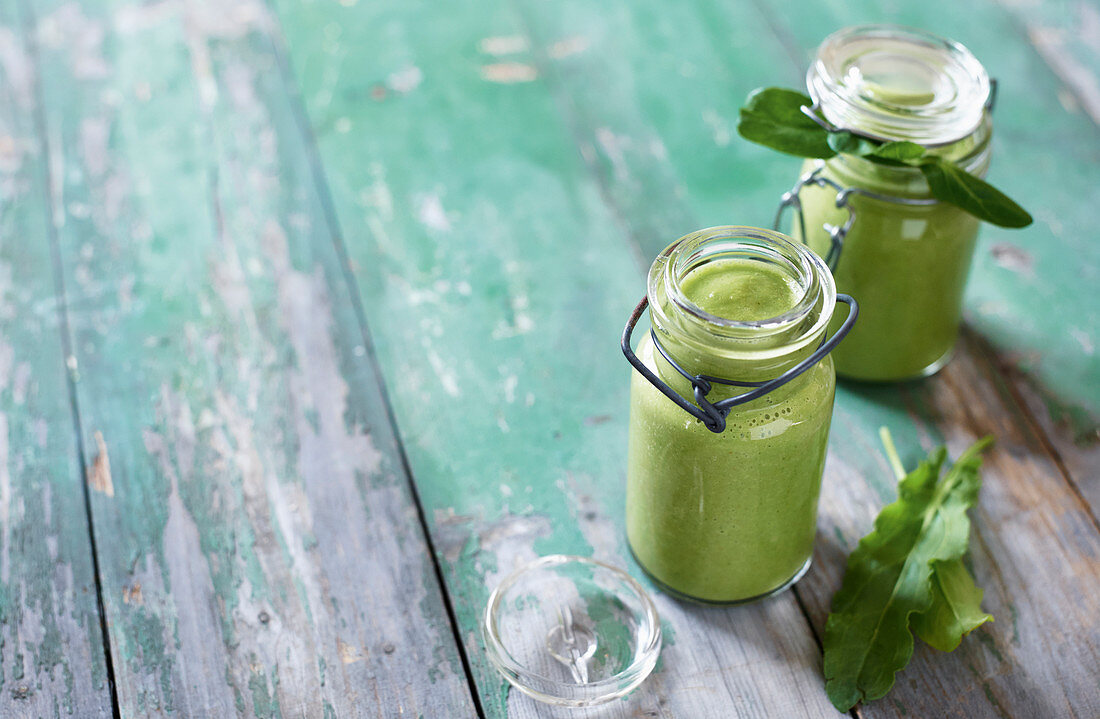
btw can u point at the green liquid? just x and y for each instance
(906, 266)
(730, 517)
(742, 290)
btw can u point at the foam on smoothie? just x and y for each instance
(740, 289)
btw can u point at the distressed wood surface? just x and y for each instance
(1066, 33)
(649, 93)
(492, 179)
(496, 280)
(1004, 670)
(663, 161)
(259, 550)
(51, 647)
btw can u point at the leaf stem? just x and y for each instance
(891, 452)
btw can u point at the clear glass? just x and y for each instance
(730, 517)
(572, 631)
(897, 83)
(906, 265)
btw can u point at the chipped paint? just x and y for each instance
(198, 633)
(99, 474)
(5, 501)
(565, 47)
(21, 380)
(510, 384)
(446, 375)
(82, 38)
(719, 127)
(508, 73)
(1082, 338)
(132, 594)
(431, 214)
(613, 147)
(18, 72)
(94, 137)
(405, 80)
(1050, 42)
(1013, 258)
(377, 195)
(348, 653)
(502, 45)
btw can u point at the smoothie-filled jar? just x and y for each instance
(730, 407)
(902, 254)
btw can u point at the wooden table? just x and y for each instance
(309, 316)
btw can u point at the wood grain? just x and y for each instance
(619, 97)
(261, 554)
(496, 281)
(51, 647)
(1067, 34)
(492, 178)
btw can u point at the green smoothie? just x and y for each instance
(906, 266)
(742, 290)
(728, 517)
(907, 256)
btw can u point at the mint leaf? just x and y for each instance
(955, 610)
(773, 117)
(889, 577)
(950, 183)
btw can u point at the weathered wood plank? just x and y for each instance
(497, 281)
(1067, 34)
(627, 95)
(261, 554)
(51, 646)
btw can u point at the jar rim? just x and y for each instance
(890, 82)
(695, 249)
(818, 292)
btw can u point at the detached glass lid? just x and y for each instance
(572, 631)
(894, 83)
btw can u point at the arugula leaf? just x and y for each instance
(889, 577)
(956, 607)
(773, 117)
(950, 183)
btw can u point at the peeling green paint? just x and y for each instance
(265, 704)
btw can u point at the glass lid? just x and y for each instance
(572, 631)
(894, 83)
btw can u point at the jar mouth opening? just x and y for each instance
(890, 82)
(804, 272)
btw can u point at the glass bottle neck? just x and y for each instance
(738, 303)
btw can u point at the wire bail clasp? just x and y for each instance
(713, 414)
(837, 233)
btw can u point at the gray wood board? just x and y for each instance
(260, 551)
(51, 647)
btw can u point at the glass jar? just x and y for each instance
(904, 255)
(729, 413)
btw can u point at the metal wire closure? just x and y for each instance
(713, 415)
(837, 233)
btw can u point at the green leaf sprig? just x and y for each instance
(773, 117)
(906, 576)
